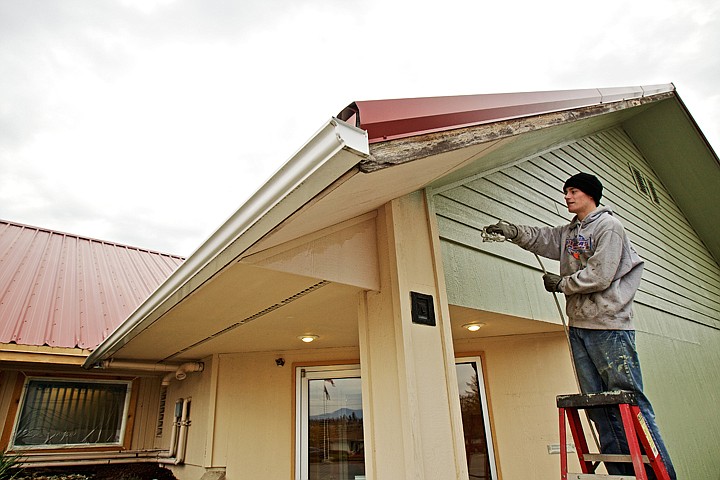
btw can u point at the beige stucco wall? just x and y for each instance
(251, 430)
(523, 375)
(254, 423)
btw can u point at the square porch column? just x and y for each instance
(411, 407)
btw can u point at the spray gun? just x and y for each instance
(493, 236)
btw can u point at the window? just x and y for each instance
(59, 412)
(475, 419)
(330, 441)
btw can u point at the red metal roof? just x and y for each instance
(392, 119)
(63, 290)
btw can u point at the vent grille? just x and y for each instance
(644, 185)
(161, 412)
(255, 316)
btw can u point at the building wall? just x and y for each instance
(244, 420)
(523, 375)
(677, 307)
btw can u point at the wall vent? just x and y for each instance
(161, 412)
(644, 185)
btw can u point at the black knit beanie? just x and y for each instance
(589, 184)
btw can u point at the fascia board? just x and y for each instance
(334, 150)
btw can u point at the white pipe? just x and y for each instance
(180, 373)
(177, 371)
(173, 434)
(184, 424)
(142, 366)
(109, 461)
(189, 367)
(167, 378)
(94, 458)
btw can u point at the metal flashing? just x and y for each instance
(392, 119)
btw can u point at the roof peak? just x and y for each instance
(85, 237)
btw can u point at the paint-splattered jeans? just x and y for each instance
(607, 360)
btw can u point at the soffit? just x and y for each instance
(246, 309)
(688, 167)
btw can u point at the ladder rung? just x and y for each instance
(590, 476)
(599, 457)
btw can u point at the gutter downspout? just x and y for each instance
(312, 169)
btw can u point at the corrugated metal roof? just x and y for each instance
(406, 117)
(64, 290)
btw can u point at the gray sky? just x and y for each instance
(149, 122)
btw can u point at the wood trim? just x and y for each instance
(130, 420)
(12, 411)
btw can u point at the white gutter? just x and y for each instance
(331, 152)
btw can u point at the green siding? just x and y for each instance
(677, 307)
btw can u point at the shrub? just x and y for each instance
(9, 466)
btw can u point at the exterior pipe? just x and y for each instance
(174, 433)
(178, 371)
(94, 458)
(182, 438)
(109, 461)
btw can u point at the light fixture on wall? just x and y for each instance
(473, 326)
(308, 338)
(279, 361)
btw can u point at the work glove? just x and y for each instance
(552, 282)
(507, 230)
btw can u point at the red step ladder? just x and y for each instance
(635, 428)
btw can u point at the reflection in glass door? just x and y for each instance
(475, 419)
(330, 421)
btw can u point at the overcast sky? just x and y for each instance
(149, 122)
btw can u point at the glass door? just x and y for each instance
(330, 443)
(475, 419)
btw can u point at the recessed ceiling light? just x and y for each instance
(474, 326)
(308, 338)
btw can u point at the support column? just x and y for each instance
(413, 427)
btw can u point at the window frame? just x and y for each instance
(125, 424)
(477, 359)
(349, 370)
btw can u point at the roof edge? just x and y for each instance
(392, 119)
(287, 183)
(89, 239)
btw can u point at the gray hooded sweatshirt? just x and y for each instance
(601, 270)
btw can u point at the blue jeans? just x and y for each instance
(606, 360)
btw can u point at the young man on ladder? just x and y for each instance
(599, 275)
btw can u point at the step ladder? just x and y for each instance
(635, 428)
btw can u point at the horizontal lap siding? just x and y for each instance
(680, 276)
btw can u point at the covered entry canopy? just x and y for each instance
(294, 258)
